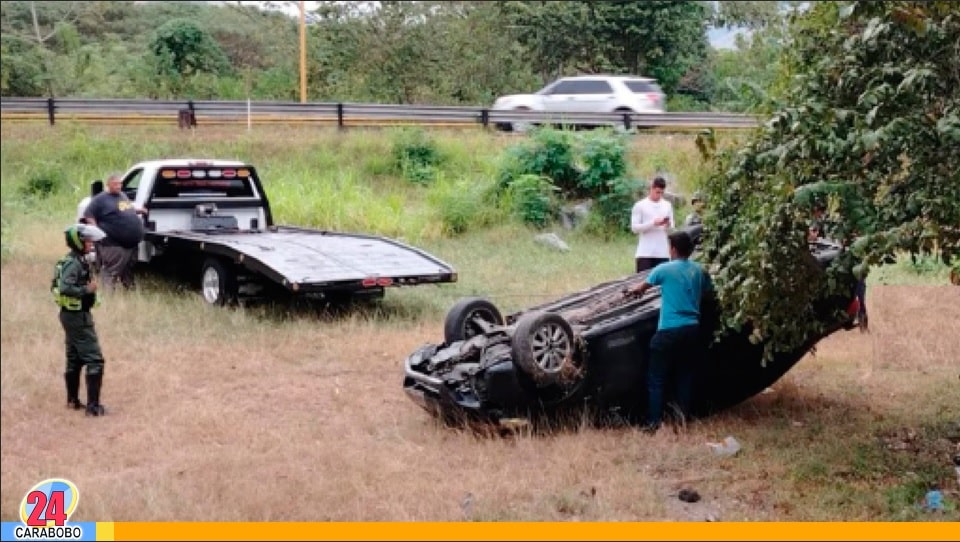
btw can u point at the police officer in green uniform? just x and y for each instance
(75, 291)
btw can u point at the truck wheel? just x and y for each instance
(218, 284)
(544, 347)
(461, 318)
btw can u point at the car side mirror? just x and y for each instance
(96, 187)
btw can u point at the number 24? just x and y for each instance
(52, 510)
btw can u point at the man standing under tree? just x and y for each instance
(650, 218)
(677, 346)
(115, 214)
(695, 218)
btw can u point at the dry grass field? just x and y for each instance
(287, 414)
(254, 415)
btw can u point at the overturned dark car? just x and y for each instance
(587, 352)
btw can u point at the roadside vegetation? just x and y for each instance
(424, 52)
(251, 401)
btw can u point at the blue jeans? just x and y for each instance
(675, 354)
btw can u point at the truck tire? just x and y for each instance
(460, 322)
(544, 347)
(218, 283)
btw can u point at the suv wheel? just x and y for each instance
(544, 347)
(464, 319)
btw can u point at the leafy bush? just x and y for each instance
(416, 156)
(43, 184)
(548, 153)
(604, 177)
(613, 205)
(514, 163)
(556, 158)
(532, 199)
(603, 157)
(686, 103)
(591, 165)
(460, 205)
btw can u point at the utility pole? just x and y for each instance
(303, 53)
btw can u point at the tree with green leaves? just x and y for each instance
(868, 137)
(752, 14)
(414, 52)
(662, 39)
(182, 49)
(36, 32)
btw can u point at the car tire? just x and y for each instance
(218, 283)
(521, 127)
(460, 322)
(544, 347)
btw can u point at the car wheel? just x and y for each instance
(461, 323)
(521, 127)
(218, 284)
(544, 348)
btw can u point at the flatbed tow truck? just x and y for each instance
(211, 219)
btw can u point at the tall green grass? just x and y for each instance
(359, 180)
(343, 181)
(340, 181)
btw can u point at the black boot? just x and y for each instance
(94, 408)
(73, 390)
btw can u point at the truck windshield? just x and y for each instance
(199, 181)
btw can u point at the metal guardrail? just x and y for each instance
(205, 112)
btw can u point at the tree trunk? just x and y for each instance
(47, 78)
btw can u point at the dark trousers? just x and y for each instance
(649, 263)
(675, 354)
(116, 265)
(82, 345)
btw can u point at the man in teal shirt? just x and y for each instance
(677, 346)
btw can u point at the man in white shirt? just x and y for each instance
(652, 218)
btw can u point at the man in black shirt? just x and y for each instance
(115, 214)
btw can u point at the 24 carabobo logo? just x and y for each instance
(45, 509)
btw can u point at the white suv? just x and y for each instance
(588, 94)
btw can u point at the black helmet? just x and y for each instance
(76, 234)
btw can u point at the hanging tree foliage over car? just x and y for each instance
(869, 136)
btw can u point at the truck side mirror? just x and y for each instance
(96, 187)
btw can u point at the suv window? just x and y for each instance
(586, 86)
(637, 86)
(179, 182)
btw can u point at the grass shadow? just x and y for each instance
(277, 305)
